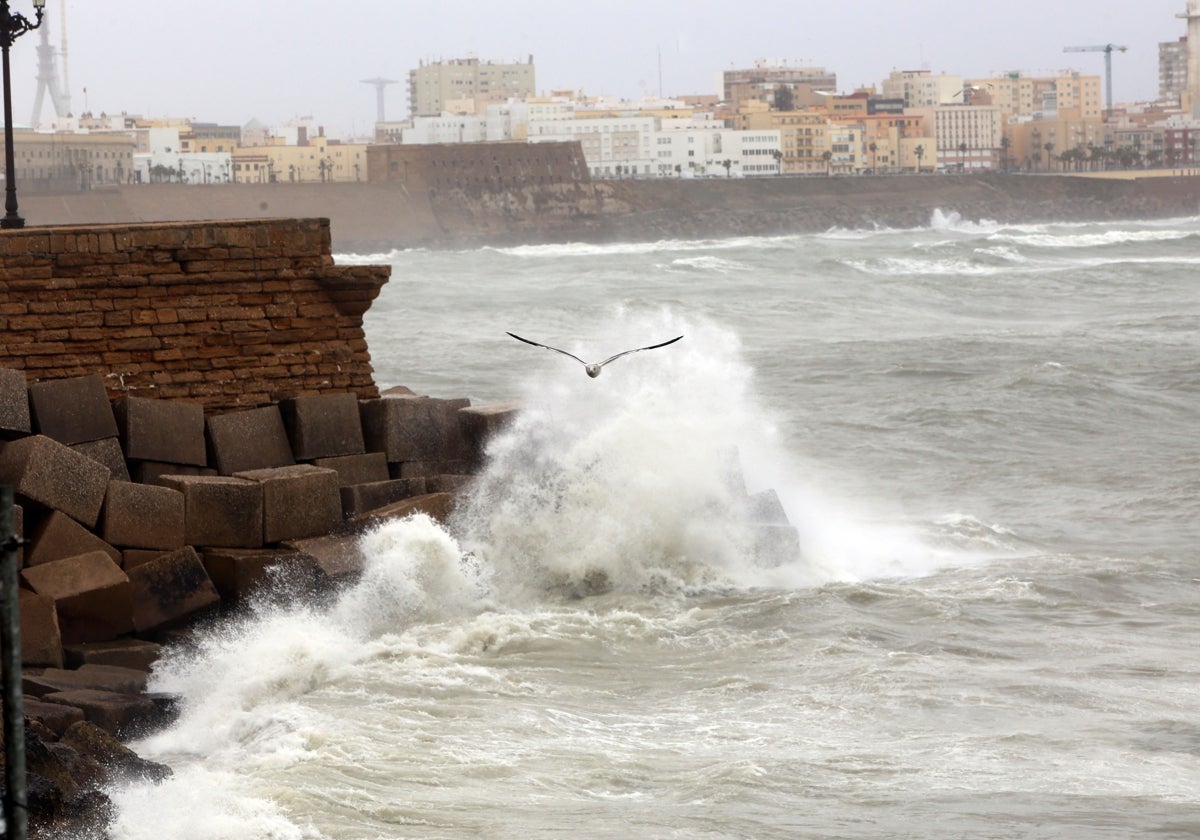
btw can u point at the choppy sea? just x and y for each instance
(987, 438)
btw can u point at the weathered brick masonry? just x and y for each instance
(228, 314)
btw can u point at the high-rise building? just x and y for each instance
(1172, 69)
(466, 85)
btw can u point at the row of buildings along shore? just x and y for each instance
(772, 119)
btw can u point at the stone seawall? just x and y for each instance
(372, 218)
(227, 314)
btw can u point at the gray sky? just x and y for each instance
(229, 61)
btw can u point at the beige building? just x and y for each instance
(782, 86)
(805, 138)
(319, 160)
(1071, 94)
(922, 89)
(466, 85)
(69, 162)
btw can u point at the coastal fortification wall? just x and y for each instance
(377, 217)
(229, 315)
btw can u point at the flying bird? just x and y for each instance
(593, 369)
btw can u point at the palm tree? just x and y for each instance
(1005, 142)
(962, 159)
(919, 151)
(778, 155)
(873, 147)
(1049, 147)
(728, 164)
(827, 156)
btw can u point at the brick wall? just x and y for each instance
(230, 314)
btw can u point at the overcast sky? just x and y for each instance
(228, 61)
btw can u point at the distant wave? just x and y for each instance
(608, 249)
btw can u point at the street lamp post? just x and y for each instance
(12, 27)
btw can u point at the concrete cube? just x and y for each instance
(438, 506)
(91, 596)
(323, 426)
(480, 423)
(73, 410)
(56, 717)
(120, 715)
(249, 440)
(414, 428)
(149, 472)
(99, 677)
(108, 452)
(14, 403)
(298, 501)
(127, 653)
(357, 469)
(161, 430)
(58, 536)
(238, 572)
(220, 510)
(359, 498)
(142, 516)
(333, 556)
(41, 640)
(53, 475)
(170, 590)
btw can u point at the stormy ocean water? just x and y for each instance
(986, 437)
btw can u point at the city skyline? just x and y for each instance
(275, 60)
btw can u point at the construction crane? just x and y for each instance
(1107, 49)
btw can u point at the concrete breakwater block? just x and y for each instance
(53, 475)
(249, 440)
(238, 572)
(360, 498)
(323, 426)
(41, 641)
(333, 557)
(170, 589)
(480, 423)
(357, 469)
(14, 403)
(120, 715)
(437, 506)
(108, 452)
(128, 653)
(161, 430)
(410, 428)
(74, 410)
(298, 501)
(91, 595)
(100, 677)
(220, 510)
(59, 536)
(143, 516)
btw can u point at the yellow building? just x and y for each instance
(1070, 94)
(804, 138)
(319, 160)
(67, 162)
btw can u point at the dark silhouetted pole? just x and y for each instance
(16, 797)
(12, 27)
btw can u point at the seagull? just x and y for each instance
(593, 370)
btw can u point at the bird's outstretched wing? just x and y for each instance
(635, 350)
(548, 347)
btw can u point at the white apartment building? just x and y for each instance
(447, 128)
(612, 146)
(967, 136)
(704, 152)
(163, 160)
(847, 145)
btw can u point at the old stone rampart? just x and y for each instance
(229, 315)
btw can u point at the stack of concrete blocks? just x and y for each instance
(144, 516)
